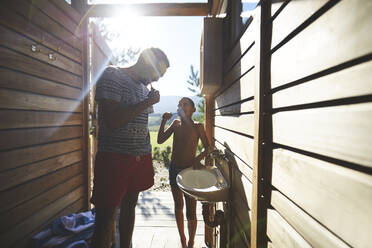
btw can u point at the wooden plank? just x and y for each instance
(292, 16)
(313, 232)
(141, 218)
(19, 81)
(241, 146)
(22, 44)
(28, 119)
(51, 10)
(278, 6)
(151, 9)
(26, 137)
(242, 189)
(86, 112)
(12, 99)
(34, 15)
(21, 230)
(241, 123)
(25, 192)
(240, 90)
(242, 211)
(246, 41)
(15, 158)
(23, 211)
(76, 206)
(68, 10)
(262, 149)
(246, 107)
(339, 132)
(281, 233)
(319, 188)
(241, 67)
(26, 173)
(346, 30)
(351, 82)
(21, 25)
(16, 61)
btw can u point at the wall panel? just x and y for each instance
(42, 165)
(337, 197)
(340, 34)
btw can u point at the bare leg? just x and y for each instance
(191, 219)
(127, 218)
(178, 212)
(102, 234)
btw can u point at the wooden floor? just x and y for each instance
(155, 225)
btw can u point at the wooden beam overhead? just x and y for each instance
(149, 9)
(218, 7)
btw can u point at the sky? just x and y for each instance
(178, 37)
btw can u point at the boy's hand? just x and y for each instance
(196, 164)
(167, 116)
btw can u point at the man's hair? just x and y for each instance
(153, 56)
(191, 101)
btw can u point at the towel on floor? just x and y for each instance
(74, 222)
(68, 231)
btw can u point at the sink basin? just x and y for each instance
(207, 184)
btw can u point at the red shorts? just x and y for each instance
(116, 174)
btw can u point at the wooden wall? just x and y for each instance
(322, 124)
(301, 133)
(234, 127)
(42, 171)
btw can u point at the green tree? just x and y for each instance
(194, 86)
(194, 82)
(122, 55)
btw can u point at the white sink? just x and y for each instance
(207, 184)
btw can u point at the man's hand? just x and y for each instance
(153, 96)
(167, 116)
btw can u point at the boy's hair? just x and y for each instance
(153, 56)
(191, 101)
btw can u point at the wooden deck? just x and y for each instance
(155, 225)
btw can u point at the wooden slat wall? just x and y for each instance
(320, 147)
(42, 173)
(322, 115)
(234, 130)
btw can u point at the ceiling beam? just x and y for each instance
(149, 9)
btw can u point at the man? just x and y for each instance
(123, 165)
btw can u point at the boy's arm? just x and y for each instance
(164, 135)
(205, 142)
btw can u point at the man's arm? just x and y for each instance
(164, 135)
(116, 116)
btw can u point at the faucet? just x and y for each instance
(216, 154)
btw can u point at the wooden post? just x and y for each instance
(84, 30)
(209, 236)
(263, 128)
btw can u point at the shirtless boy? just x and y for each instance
(185, 142)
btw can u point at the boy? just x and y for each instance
(185, 142)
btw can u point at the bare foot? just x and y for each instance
(190, 244)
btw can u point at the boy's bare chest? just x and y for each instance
(186, 134)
